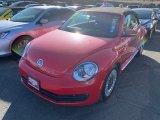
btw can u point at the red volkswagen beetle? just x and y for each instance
(79, 63)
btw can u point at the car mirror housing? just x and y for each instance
(129, 33)
(43, 21)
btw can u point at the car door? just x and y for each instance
(55, 18)
(129, 39)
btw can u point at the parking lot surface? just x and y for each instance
(136, 97)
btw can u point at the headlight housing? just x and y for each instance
(85, 71)
(26, 50)
(3, 35)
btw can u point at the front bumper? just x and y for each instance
(61, 92)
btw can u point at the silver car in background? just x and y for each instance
(29, 24)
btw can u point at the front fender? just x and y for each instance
(105, 59)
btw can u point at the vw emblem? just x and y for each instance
(40, 63)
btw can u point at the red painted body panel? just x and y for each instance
(63, 51)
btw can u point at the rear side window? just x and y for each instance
(54, 15)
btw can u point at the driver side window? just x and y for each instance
(50, 15)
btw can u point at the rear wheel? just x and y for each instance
(109, 84)
(19, 46)
(150, 34)
(154, 30)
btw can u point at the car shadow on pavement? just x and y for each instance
(136, 94)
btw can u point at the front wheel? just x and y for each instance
(140, 52)
(109, 84)
(19, 45)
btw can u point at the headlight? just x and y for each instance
(85, 71)
(149, 25)
(26, 49)
(3, 35)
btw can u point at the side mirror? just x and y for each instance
(129, 33)
(43, 21)
(142, 31)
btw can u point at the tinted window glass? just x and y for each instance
(144, 14)
(53, 15)
(27, 15)
(93, 24)
(20, 4)
(2, 11)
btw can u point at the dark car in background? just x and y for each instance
(22, 3)
(133, 6)
(33, 5)
(148, 19)
(99, 4)
(8, 3)
(58, 3)
(75, 7)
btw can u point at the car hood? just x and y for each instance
(62, 50)
(144, 21)
(6, 25)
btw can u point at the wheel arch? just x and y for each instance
(20, 37)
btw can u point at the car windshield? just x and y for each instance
(27, 15)
(3, 10)
(144, 14)
(93, 23)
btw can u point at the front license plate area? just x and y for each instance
(33, 83)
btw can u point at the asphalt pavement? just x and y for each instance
(136, 97)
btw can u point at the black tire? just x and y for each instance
(19, 45)
(106, 95)
(154, 30)
(140, 52)
(150, 34)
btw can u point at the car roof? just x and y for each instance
(116, 10)
(148, 9)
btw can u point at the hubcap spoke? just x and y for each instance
(112, 78)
